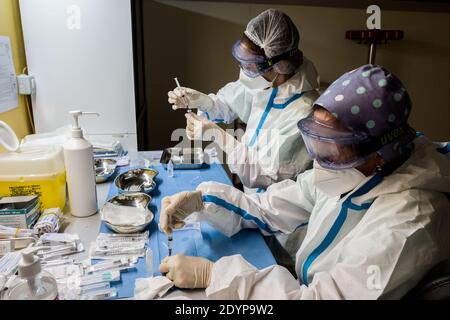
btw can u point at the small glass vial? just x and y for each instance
(170, 168)
(149, 261)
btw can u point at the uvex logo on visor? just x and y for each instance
(387, 138)
(394, 134)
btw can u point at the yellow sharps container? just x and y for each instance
(35, 171)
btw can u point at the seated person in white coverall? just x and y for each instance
(276, 88)
(374, 203)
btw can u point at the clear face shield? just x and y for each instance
(254, 64)
(251, 63)
(332, 146)
(336, 147)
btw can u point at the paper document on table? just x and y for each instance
(8, 82)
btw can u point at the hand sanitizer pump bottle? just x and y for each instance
(34, 283)
(80, 172)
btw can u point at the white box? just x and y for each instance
(19, 212)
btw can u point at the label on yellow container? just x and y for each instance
(51, 189)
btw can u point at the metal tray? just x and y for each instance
(184, 158)
(136, 180)
(104, 169)
(139, 200)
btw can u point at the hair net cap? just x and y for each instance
(275, 33)
(370, 99)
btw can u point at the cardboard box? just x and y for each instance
(19, 212)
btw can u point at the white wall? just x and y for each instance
(86, 66)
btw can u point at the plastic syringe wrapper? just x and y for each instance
(49, 221)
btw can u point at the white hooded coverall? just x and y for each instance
(271, 149)
(377, 241)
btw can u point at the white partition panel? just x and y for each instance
(80, 53)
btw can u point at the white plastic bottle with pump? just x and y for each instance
(34, 284)
(80, 172)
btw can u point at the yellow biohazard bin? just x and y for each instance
(35, 171)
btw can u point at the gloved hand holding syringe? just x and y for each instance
(182, 98)
(183, 271)
(186, 103)
(175, 209)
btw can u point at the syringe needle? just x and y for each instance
(177, 82)
(169, 243)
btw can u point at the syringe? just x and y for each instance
(169, 243)
(184, 99)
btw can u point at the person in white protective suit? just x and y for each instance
(375, 206)
(276, 88)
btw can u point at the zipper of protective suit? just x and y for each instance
(339, 222)
(272, 105)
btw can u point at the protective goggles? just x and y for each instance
(254, 64)
(341, 148)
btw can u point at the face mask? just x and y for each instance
(258, 83)
(336, 182)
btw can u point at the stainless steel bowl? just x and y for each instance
(104, 169)
(136, 180)
(139, 200)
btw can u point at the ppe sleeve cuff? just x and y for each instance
(229, 278)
